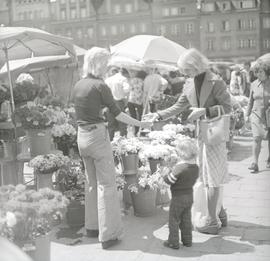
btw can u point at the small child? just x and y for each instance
(181, 179)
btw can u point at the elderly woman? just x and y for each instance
(202, 91)
(259, 103)
(91, 94)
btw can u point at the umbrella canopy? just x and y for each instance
(149, 49)
(265, 57)
(24, 42)
(40, 63)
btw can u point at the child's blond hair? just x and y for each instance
(187, 149)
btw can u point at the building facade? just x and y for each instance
(230, 30)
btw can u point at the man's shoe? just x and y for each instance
(254, 168)
(110, 243)
(92, 232)
(268, 164)
(187, 244)
(209, 228)
(171, 245)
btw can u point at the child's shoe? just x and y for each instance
(209, 228)
(171, 245)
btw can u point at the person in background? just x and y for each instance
(201, 93)
(236, 84)
(248, 77)
(176, 83)
(119, 85)
(135, 99)
(154, 86)
(181, 180)
(90, 95)
(259, 104)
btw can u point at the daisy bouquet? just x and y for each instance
(125, 146)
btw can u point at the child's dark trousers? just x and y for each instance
(180, 217)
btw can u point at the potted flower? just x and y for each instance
(28, 216)
(70, 180)
(37, 121)
(184, 129)
(143, 192)
(64, 136)
(163, 137)
(44, 167)
(127, 150)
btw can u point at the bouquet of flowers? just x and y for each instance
(64, 136)
(48, 163)
(125, 146)
(163, 137)
(27, 214)
(185, 129)
(146, 180)
(34, 117)
(158, 151)
(120, 179)
(70, 181)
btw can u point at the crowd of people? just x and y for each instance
(126, 97)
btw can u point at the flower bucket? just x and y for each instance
(144, 202)
(130, 179)
(44, 180)
(75, 214)
(39, 249)
(64, 148)
(130, 163)
(39, 141)
(153, 163)
(163, 198)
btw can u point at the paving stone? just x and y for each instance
(257, 234)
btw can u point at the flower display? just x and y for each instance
(146, 180)
(48, 163)
(70, 180)
(158, 151)
(120, 179)
(27, 214)
(121, 145)
(185, 129)
(165, 136)
(34, 117)
(25, 91)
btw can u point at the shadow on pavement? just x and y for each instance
(240, 152)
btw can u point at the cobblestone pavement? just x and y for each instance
(247, 237)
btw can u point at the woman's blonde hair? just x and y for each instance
(187, 149)
(94, 61)
(192, 58)
(261, 64)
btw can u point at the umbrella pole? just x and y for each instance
(10, 81)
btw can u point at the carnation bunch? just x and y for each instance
(48, 163)
(185, 129)
(165, 136)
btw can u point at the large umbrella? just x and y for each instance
(149, 49)
(23, 42)
(265, 57)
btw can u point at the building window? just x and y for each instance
(209, 7)
(83, 12)
(114, 30)
(166, 12)
(251, 24)
(210, 45)
(90, 32)
(242, 43)
(188, 45)
(266, 22)
(247, 4)
(225, 26)
(226, 44)
(122, 28)
(182, 10)
(174, 11)
(30, 15)
(103, 30)
(174, 29)
(161, 29)
(266, 43)
(73, 13)
(133, 28)
(189, 28)
(251, 43)
(241, 24)
(128, 8)
(63, 14)
(117, 9)
(210, 27)
(143, 27)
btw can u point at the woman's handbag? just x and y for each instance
(216, 130)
